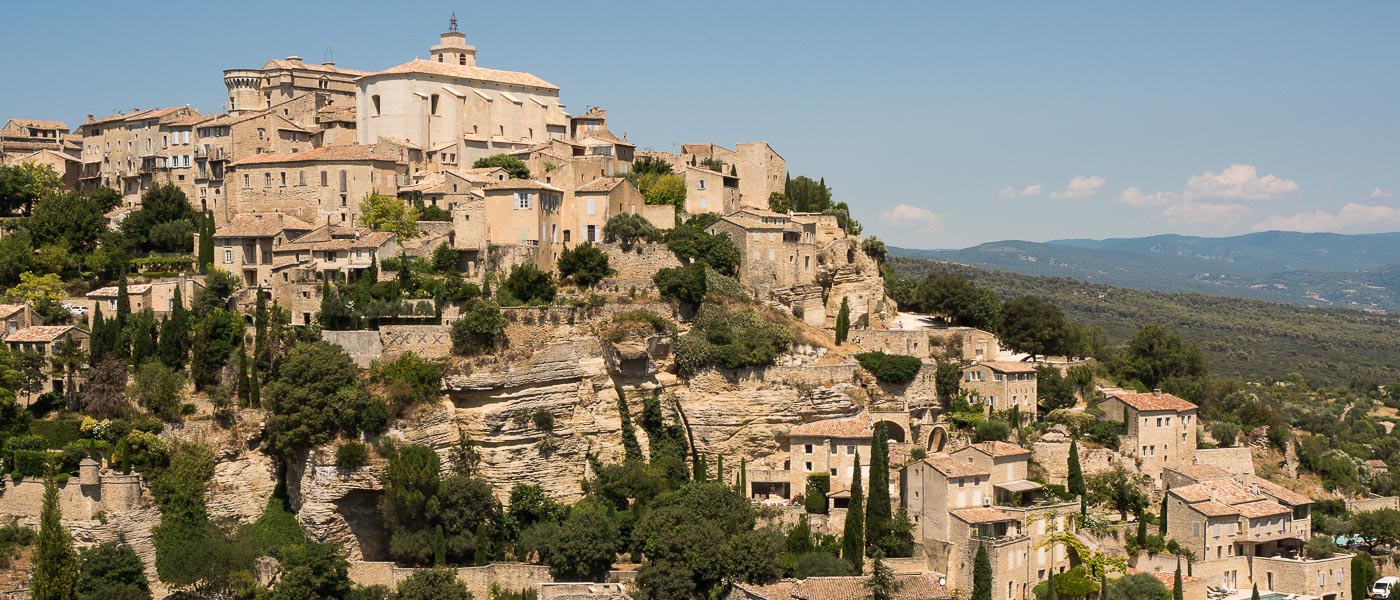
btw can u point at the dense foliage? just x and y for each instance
(897, 369)
(316, 395)
(729, 339)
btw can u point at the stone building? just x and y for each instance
(709, 191)
(980, 495)
(22, 137)
(831, 447)
(1160, 428)
(14, 317)
(1001, 385)
(761, 171)
(1252, 533)
(963, 344)
(130, 152)
(319, 186)
(159, 296)
(776, 252)
(45, 340)
(244, 245)
(449, 99)
(301, 266)
(280, 80)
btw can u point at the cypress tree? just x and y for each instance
(99, 346)
(1050, 587)
(206, 242)
(719, 469)
(1103, 586)
(843, 322)
(262, 352)
(145, 341)
(1076, 477)
(175, 334)
(243, 398)
(702, 468)
(1162, 520)
(1142, 530)
(1363, 572)
(883, 584)
(1176, 582)
(631, 447)
(55, 560)
(799, 538)
(982, 575)
(123, 301)
(877, 508)
(853, 535)
(1255, 594)
(742, 486)
(122, 346)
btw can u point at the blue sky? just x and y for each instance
(941, 124)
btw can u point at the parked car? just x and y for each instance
(77, 309)
(1383, 587)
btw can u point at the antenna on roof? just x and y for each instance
(329, 56)
(452, 23)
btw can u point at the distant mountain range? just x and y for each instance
(1304, 269)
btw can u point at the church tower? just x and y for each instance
(452, 47)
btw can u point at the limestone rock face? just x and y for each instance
(241, 486)
(847, 272)
(338, 506)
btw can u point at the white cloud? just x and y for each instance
(1352, 218)
(1134, 196)
(1380, 193)
(1012, 192)
(1080, 188)
(1190, 212)
(912, 218)
(1239, 182)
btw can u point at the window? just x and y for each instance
(433, 102)
(462, 59)
(592, 206)
(283, 178)
(228, 257)
(267, 180)
(247, 181)
(164, 141)
(833, 471)
(301, 177)
(702, 184)
(262, 133)
(184, 137)
(522, 200)
(344, 184)
(592, 234)
(375, 100)
(807, 449)
(807, 466)
(850, 450)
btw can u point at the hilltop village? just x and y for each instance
(426, 331)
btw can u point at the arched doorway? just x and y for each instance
(937, 439)
(894, 432)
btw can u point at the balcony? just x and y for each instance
(1273, 534)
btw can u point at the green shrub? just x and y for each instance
(351, 455)
(730, 339)
(818, 485)
(896, 369)
(480, 328)
(528, 285)
(992, 431)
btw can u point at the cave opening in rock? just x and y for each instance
(359, 508)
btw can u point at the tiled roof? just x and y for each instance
(400, 142)
(9, 310)
(1280, 493)
(278, 63)
(40, 124)
(42, 333)
(750, 224)
(981, 514)
(337, 113)
(1262, 508)
(1211, 508)
(1152, 401)
(323, 154)
(1199, 473)
(701, 148)
(999, 449)
(1228, 491)
(1377, 463)
(428, 67)
(951, 467)
(521, 184)
(1168, 578)
(849, 427)
(260, 225)
(367, 241)
(1008, 366)
(189, 120)
(601, 184)
(112, 291)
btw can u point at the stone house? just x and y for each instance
(320, 186)
(159, 296)
(16, 317)
(912, 586)
(45, 340)
(831, 447)
(281, 80)
(448, 98)
(244, 246)
(1159, 429)
(124, 151)
(964, 344)
(22, 137)
(1001, 385)
(979, 496)
(523, 212)
(65, 165)
(1253, 532)
(776, 253)
(709, 191)
(599, 200)
(762, 172)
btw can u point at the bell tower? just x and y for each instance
(452, 48)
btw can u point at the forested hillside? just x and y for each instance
(1250, 339)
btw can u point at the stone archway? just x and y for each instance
(894, 432)
(937, 439)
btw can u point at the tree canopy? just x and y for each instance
(514, 167)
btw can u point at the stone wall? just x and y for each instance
(641, 261)
(509, 576)
(363, 347)
(1054, 458)
(1374, 503)
(1236, 461)
(430, 341)
(911, 342)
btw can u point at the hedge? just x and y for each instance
(890, 368)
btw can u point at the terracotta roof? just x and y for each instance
(112, 291)
(42, 333)
(370, 240)
(1262, 508)
(260, 225)
(1199, 473)
(400, 142)
(1228, 491)
(857, 426)
(40, 124)
(323, 154)
(1280, 493)
(521, 184)
(1008, 366)
(1377, 463)
(750, 224)
(428, 67)
(190, 120)
(997, 449)
(1211, 508)
(601, 184)
(1168, 578)
(981, 514)
(912, 587)
(701, 148)
(9, 310)
(1152, 401)
(336, 113)
(56, 153)
(480, 174)
(278, 63)
(951, 467)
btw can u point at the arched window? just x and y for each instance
(462, 59)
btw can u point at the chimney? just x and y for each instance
(89, 118)
(1157, 392)
(1254, 488)
(294, 59)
